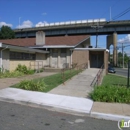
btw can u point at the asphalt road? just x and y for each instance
(20, 117)
(122, 72)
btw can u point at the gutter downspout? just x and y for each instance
(1, 58)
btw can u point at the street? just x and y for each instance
(20, 117)
(122, 72)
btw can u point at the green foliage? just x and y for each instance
(110, 80)
(111, 94)
(6, 33)
(57, 79)
(8, 74)
(120, 58)
(49, 83)
(19, 71)
(32, 85)
(24, 69)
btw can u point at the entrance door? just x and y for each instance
(96, 61)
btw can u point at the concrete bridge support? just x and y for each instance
(112, 40)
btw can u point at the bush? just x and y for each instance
(111, 94)
(32, 85)
(8, 74)
(22, 68)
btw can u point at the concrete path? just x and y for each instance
(7, 82)
(78, 86)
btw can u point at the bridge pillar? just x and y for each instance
(112, 39)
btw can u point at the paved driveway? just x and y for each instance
(78, 86)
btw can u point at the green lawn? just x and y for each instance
(114, 80)
(112, 89)
(50, 81)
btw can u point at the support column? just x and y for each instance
(112, 39)
(58, 60)
(50, 59)
(71, 58)
(115, 48)
(68, 58)
(88, 59)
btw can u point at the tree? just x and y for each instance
(120, 57)
(6, 33)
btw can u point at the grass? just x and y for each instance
(111, 94)
(49, 81)
(112, 89)
(114, 80)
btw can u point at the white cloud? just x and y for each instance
(5, 24)
(126, 39)
(44, 13)
(26, 24)
(39, 24)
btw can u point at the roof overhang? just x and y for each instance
(82, 41)
(18, 48)
(55, 46)
(90, 49)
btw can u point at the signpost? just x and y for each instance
(128, 73)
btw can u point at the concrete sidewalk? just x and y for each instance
(78, 86)
(72, 105)
(7, 82)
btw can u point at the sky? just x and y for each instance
(29, 13)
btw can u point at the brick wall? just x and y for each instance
(80, 56)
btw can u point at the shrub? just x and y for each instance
(32, 85)
(22, 68)
(111, 94)
(8, 74)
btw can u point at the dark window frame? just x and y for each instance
(22, 56)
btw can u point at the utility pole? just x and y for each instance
(97, 27)
(122, 55)
(110, 14)
(19, 22)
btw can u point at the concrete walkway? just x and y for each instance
(78, 86)
(7, 82)
(69, 104)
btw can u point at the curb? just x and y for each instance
(105, 116)
(47, 106)
(96, 115)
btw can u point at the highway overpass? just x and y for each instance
(77, 28)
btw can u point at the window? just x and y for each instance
(63, 50)
(55, 50)
(22, 56)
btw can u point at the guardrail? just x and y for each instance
(66, 73)
(98, 77)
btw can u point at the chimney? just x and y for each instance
(40, 38)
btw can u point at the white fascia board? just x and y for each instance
(54, 47)
(23, 48)
(91, 49)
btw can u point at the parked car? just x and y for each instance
(111, 70)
